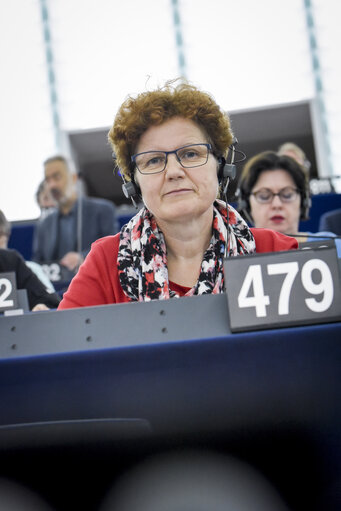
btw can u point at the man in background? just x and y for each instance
(66, 234)
(44, 199)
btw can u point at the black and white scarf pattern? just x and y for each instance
(142, 255)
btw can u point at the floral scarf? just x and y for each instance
(142, 255)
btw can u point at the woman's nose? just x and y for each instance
(173, 166)
(276, 201)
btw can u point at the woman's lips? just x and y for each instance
(277, 219)
(179, 191)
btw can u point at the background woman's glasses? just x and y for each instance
(265, 195)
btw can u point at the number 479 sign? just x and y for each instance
(283, 289)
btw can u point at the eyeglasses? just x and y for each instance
(265, 195)
(153, 162)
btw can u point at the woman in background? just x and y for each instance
(274, 194)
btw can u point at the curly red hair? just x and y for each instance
(153, 108)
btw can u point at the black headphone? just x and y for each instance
(226, 170)
(243, 203)
(305, 203)
(131, 189)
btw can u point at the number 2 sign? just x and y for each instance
(283, 289)
(8, 291)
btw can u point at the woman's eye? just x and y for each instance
(264, 195)
(156, 160)
(288, 194)
(188, 155)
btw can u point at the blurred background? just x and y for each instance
(67, 65)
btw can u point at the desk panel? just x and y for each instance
(127, 324)
(289, 374)
(271, 397)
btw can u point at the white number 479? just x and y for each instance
(259, 300)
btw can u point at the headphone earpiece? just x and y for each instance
(243, 207)
(229, 170)
(226, 170)
(129, 189)
(306, 204)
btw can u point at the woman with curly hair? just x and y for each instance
(171, 146)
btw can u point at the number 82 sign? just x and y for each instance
(283, 289)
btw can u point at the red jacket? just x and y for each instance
(97, 281)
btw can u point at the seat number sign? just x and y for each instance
(8, 291)
(282, 289)
(56, 272)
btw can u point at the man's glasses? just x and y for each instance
(265, 195)
(153, 162)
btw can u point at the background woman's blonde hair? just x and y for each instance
(294, 151)
(153, 108)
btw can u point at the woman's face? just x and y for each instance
(177, 194)
(277, 215)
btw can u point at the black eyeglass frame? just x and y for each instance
(166, 153)
(273, 194)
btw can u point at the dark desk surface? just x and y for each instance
(276, 391)
(150, 361)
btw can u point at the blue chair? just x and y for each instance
(331, 221)
(21, 238)
(320, 204)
